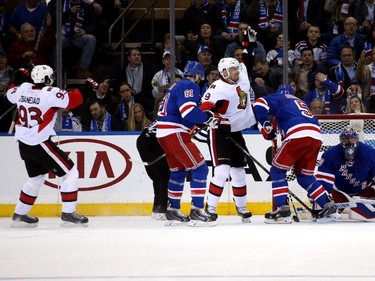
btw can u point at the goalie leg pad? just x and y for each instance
(365, 210)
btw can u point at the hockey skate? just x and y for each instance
(74, 219)
(244, 214)
(175, 217)
(159, 213)
(328, 214)
(280, 216)
(211, 211)
(20, 221)
(201, 218)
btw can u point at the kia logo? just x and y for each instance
(95, 161)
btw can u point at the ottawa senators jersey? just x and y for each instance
(231, 101)
(37, 111)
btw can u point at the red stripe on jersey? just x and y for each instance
(317, 193)
(186, 108)
(27, 199)
(69, 196)
(239, 191)
(215, 190)
(302, 128)
(279, 191)
(57, 155)
(198, 191)
(174, 194)
(222, 106)
(47, 118)
(329, 178)
(207, 105)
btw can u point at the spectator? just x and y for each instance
(102, 120)
(165, 46)
(275, 56)
(200, 11)
(319, 49)
(207, 38)
(344, 75)
(98, 88)
(267, 16)
(364, 13)
(7, 76)
(350, 37)
(264, 77)
(306, 71)
(78, 28)
(316, 107)
(69, 122)
(232, 13)
(355, 105)
(240, 42)
(139, 77)
(30, 11)
(162, 79)
(125, 102)
(211, 75)
(22, 53)
(137, 120)
(310, 12)
(205, 56)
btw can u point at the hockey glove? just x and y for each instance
(21, 75)
(212, 119)
(267, 131)
(224, 127)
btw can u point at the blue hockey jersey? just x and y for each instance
(293, 117)
(179, 110)
(351, 179)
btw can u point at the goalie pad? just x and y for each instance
(365, 210)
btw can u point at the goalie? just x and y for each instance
(347, 171)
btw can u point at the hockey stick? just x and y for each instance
(14, 119)
(148, 163)
(268, 172)
(7, 112)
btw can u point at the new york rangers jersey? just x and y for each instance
(37, 111)
(179, 110)
(349, 177)
(292, 115)
(231, 101)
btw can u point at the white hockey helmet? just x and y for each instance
(226, 64)
(42, 74)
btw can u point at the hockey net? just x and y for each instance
(331, 126)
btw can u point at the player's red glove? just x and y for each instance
(267, 131)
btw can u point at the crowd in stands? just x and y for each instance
(331, 54)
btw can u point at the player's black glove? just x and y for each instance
(267, 131)
(212, 119)
(223, 129)
(20, 76)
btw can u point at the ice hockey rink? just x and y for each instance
(139, 248)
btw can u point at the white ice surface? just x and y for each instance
(139, 248)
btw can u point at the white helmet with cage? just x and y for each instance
(42, 74)
(226, 64)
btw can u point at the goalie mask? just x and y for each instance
(349, 142)
(42, 74)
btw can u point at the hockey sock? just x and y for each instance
(175, 188)
(239, 186)
(314, 189)
(221, 174)
(28, 195)
(69, 191)
(198, 185)
(279, 187)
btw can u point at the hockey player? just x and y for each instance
(157, 169)
(38, 105)
(347, 171)
(230, 98)
(178, 112)
(301, 135)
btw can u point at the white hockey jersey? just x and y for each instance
(232, 101)
(37, 111)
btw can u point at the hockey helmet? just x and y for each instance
(42, 74)
(349, 141)
(285, 89)
(226, 64)
(192, 68)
